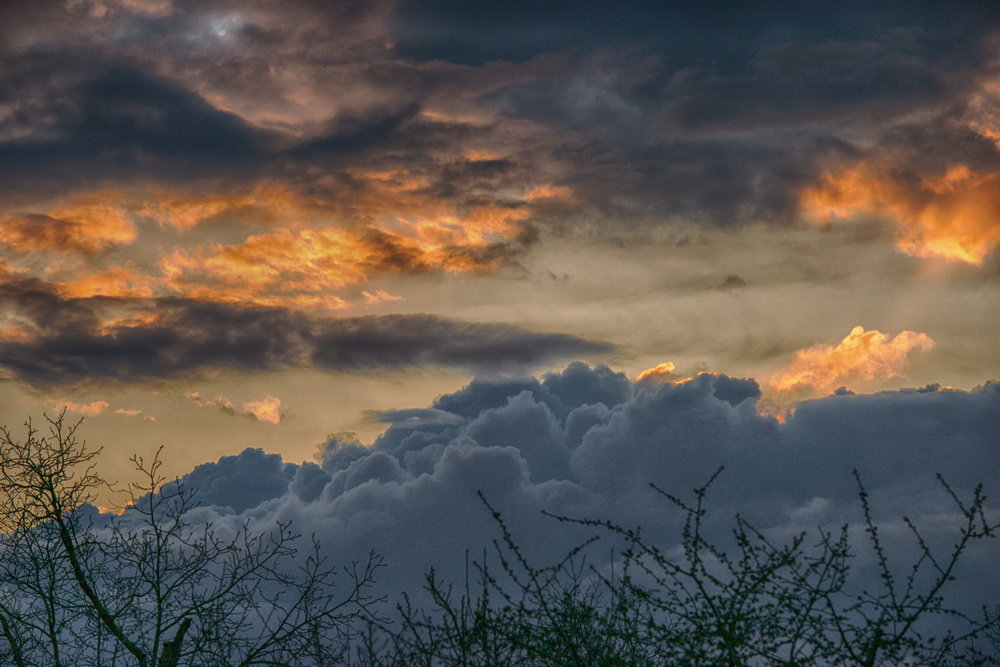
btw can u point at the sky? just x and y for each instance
(351, 235)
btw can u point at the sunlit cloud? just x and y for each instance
(305, 269)
(86, 409)
(378, 296)
(116, 281)
(267, 409)
(954, 215)
(658, 373)
(87, 225)
(134, 412)
(862, 356)
(266, 203)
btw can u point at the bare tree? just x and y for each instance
(152, 586)
(753, 602)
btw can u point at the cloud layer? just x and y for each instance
(586, 442)
(58, 341)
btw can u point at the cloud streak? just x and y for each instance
(68, 342)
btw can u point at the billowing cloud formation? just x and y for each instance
(862, 355)
(70, 341)
(586, 442)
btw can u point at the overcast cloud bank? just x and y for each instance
(586, 443)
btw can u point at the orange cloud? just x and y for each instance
(116, 281)
(378, 296)
(659, 373)
(954, 215)
(267, 409)
(87, 225)
(87, 409)
(862, 355)
(264, 204)
(303, 269)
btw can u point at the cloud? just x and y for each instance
(267, 409)
(133, 412)
(70, 341)
(954, 215)
(85, 225)
(658, 372)
(586, 442)
(860, 356)
(303, 269)
(86, 409)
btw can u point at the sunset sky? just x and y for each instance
(231, 224)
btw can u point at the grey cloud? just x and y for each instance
(412, 495)
(190, 337)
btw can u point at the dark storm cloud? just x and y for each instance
(621, 109)
(68, 346)
(586, 442)
(118, 125)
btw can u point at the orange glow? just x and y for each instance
(265, 203)
(267, 409)
(862, 355)
(117, 282)
(128, 413)
(87, 409)
(550, 192)
(954, 215)
(301, 269)
(658, 373)
(87, 225)
(12, 332)
(379, 296)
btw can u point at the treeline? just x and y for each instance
(157, 586)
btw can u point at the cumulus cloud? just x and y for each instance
(586, 442)
(860, 356)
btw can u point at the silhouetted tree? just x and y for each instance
(756, 603)
(152, 586)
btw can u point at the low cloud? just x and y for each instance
(586, 442)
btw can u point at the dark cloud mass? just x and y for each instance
(69, 345)
(647, 113)
(587, 442)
